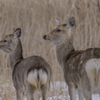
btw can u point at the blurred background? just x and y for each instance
(36, 18)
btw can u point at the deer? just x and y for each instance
(81, 68)
(30, 75)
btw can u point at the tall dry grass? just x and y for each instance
(36, 18)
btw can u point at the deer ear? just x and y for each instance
(17, 32)
(57, 21)
(71, 22)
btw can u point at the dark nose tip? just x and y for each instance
(44, 37)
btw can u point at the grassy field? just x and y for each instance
(36, 18)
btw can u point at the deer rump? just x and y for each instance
(37, 77)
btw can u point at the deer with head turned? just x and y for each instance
(81, 68)
(30, 75)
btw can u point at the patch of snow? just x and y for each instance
(59, 91)
(94, 97)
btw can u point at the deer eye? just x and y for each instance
(5, 41)
(58, 30)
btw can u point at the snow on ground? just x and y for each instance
(94, 97)
(58, 86)
(62, 85)
(58, 91)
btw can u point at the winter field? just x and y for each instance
(57, 95)
(36, 18)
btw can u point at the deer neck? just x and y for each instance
(16, 55)
(63, 51)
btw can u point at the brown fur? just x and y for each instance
(74, 62)
(21, 67)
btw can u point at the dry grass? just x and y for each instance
(36, 18)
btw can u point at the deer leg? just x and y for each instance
(30, 96)
(72, 91)
(86, 90)
(30, 92)
(87, 94)
(99, 92)
(45, 91)
(44, 94)
(80, 95)
(36, 95)
(20, 95)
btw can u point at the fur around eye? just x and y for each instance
(58, 30)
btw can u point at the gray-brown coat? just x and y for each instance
(81, 68)
(32, 74)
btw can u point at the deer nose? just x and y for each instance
(44, 37)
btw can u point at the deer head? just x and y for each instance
(61, 33)
(10, 42)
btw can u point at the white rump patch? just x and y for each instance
(42, 76)
(37, 78)
(93, 72)
(32, 77)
